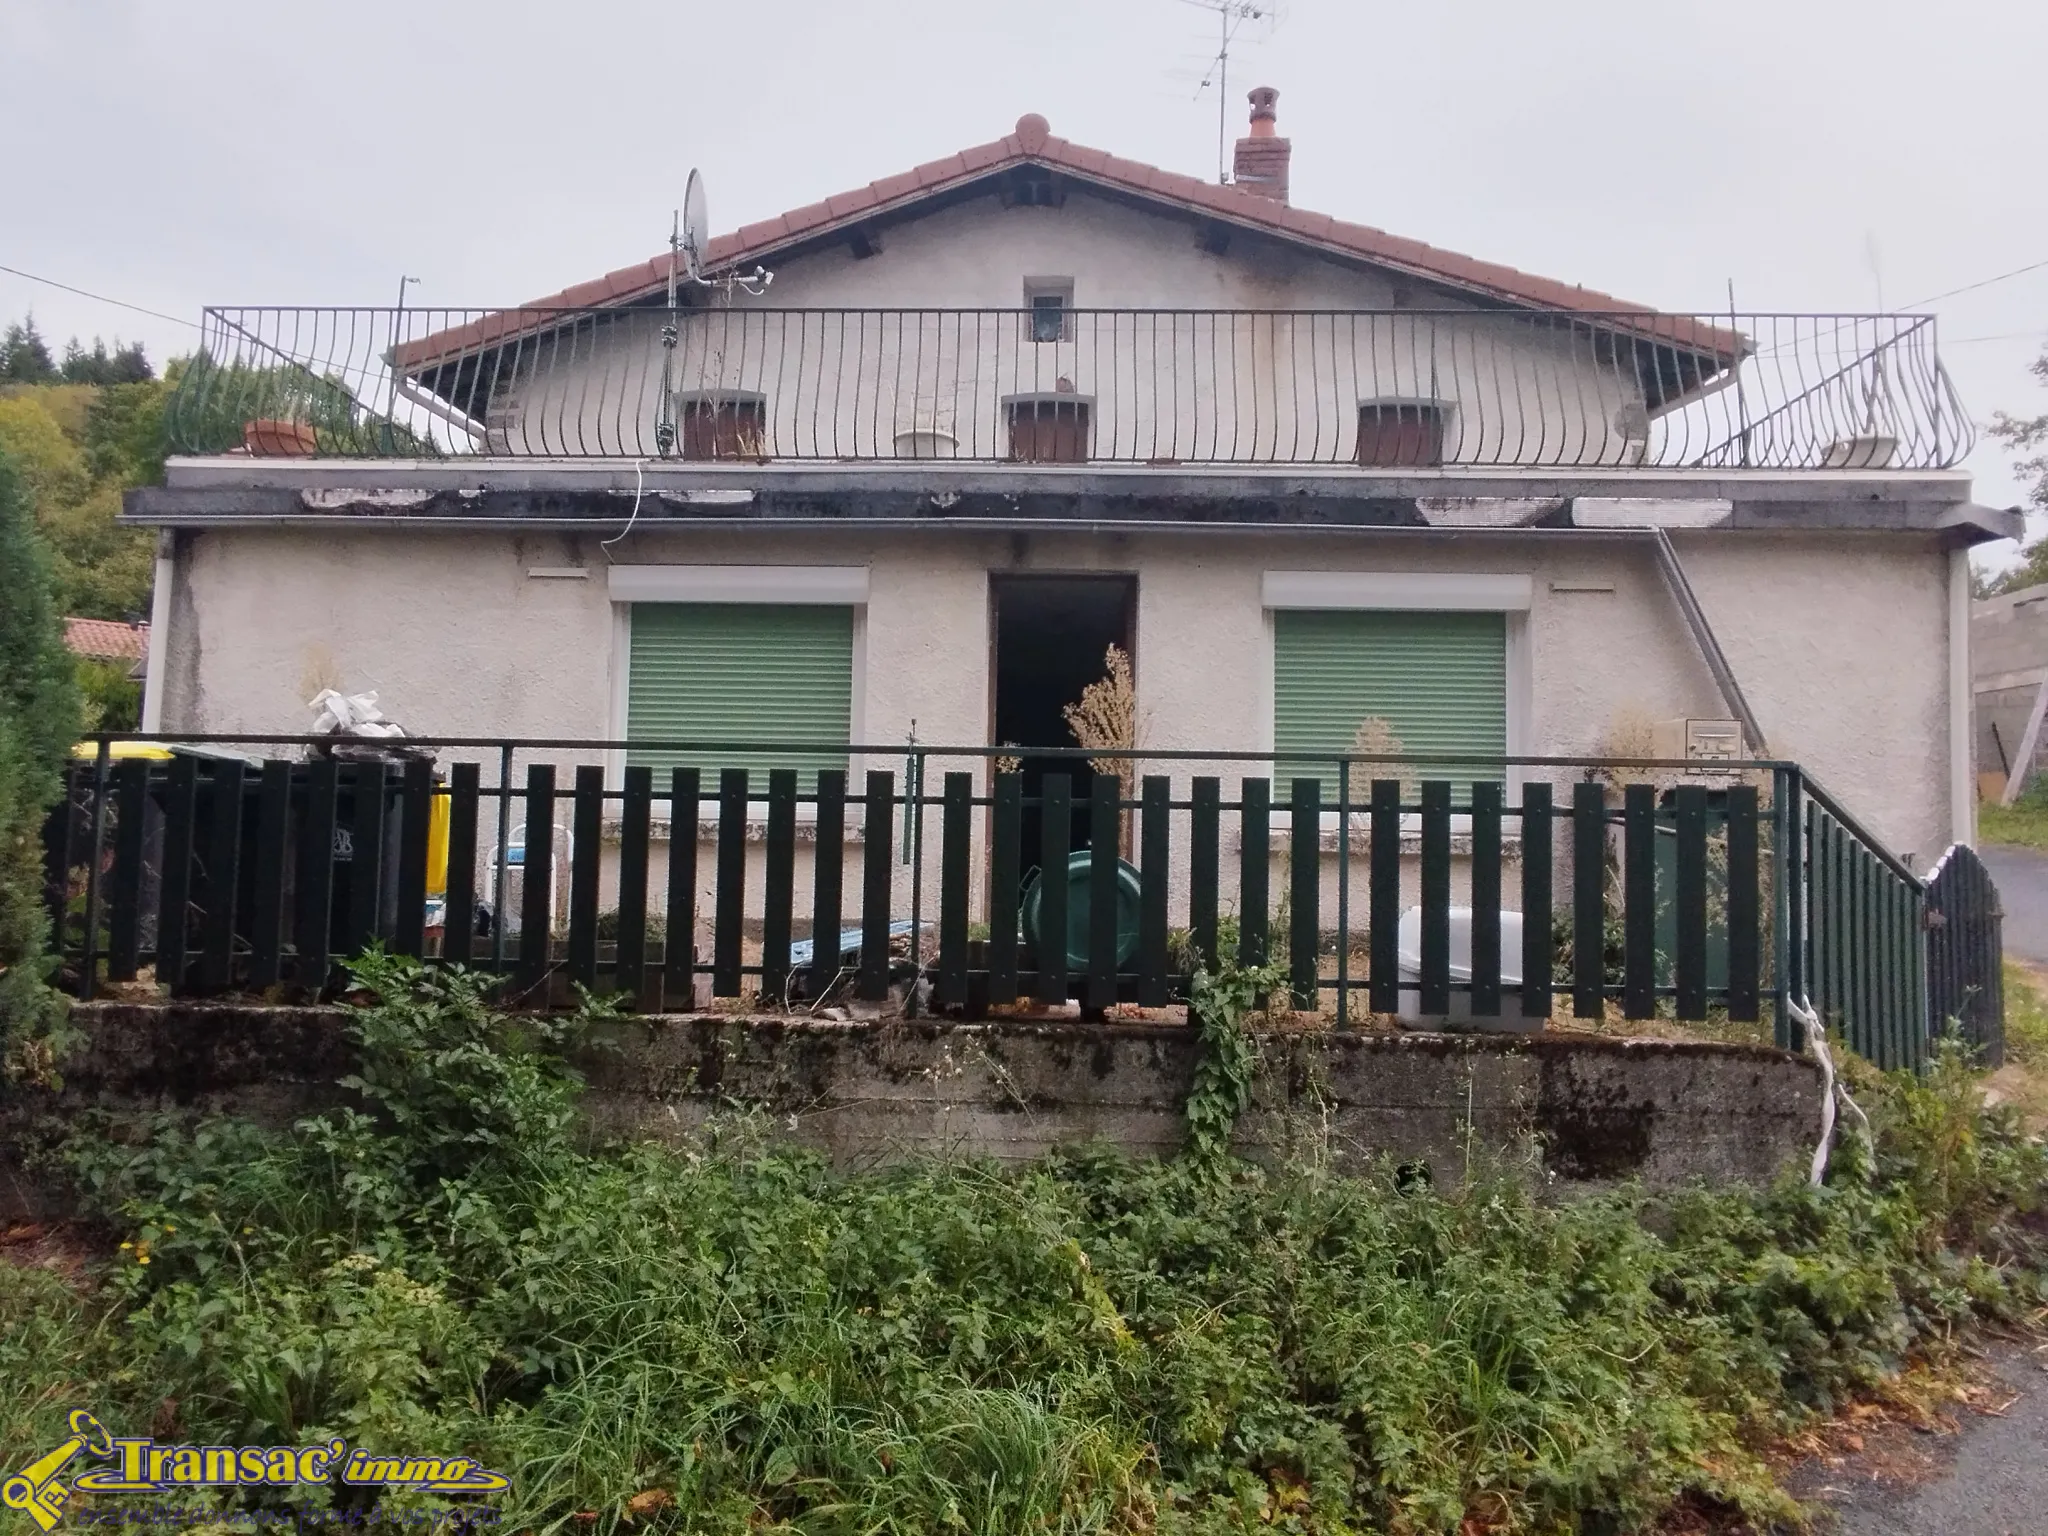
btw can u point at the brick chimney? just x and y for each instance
(1261, 164)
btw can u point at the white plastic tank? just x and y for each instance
(1410, 945)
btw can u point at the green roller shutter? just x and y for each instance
(1440, 680)
(759, 673)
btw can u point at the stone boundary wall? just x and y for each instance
(1573, 1110)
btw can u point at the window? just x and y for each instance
(1438, 679)
(740, 672)
(1398, 434)
(1050, 300)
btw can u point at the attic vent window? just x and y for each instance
(1032, 186)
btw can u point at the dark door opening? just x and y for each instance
(1051, 636)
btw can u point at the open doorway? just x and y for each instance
(1051, 633)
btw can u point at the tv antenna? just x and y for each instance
(1230, 16)
(688, 242)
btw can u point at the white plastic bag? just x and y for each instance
(353, 714)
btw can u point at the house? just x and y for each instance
(110, 641)
(1002, 411)
(2009, 660)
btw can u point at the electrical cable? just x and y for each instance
(1986, 283)
(101, 298)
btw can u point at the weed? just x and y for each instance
(727, 1337)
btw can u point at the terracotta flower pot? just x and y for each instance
(279, 439)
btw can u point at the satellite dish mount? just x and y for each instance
(689, 239)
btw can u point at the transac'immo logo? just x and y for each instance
(141, 1465)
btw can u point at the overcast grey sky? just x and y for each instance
(176, 153)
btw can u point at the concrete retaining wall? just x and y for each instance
(1576, 1110)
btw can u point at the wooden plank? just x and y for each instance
(1105, 837)
(536, 880)
(1589, 899)
(1435, 993)
(828, 870)
(1056, 804)
(679, 915)
(416, 807)
(124, 919)
(1205, 862)
(1487, 800)
(223, 875)
(956, 864)
(1639, 901)
(266, 907)
(458, 908)
(778, 895)
(1255, 867)
(2030, 741)
(1304, 891)
(366, 859)
(876, 871)
(1689, 902)
(1745, 907)
(586, 861)
(729, 894)
(1155, 814)
(1383, 899)
(1539, 953)
(636, 831)
(174, 884)
(1005, 884)
(314, 877)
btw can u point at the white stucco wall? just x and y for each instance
(850, 377)
(458, 638)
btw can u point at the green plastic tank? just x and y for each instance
(1078, 905)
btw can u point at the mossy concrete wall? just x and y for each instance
(1567, 1109)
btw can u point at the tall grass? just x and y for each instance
(731, 1337)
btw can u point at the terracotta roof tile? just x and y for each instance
(106, 639)
(757, 241)
(900, 185)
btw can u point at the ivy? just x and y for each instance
(1229, 1058)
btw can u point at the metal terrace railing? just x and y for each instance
(1394, 389)
(223, 866)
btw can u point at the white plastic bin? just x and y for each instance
(1410, 944)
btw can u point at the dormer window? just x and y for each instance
(1049, 299)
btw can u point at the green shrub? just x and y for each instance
(749, 1341)
(38, 722)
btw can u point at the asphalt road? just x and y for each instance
(2022, 876)
(1996, 1486)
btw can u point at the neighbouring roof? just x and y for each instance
(106, 639)
(1032, 143)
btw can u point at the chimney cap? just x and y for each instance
(1264, 100)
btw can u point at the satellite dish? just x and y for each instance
(696, 234)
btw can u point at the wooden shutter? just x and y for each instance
(723, 429)
(1397, 435)
(1438, 679)
(1049, 431)
(757, 673)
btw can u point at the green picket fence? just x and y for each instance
(247, 870)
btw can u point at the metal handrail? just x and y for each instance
(1376, 388)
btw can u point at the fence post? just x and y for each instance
(1792, 941)
(1343, 893)
(90, 963)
